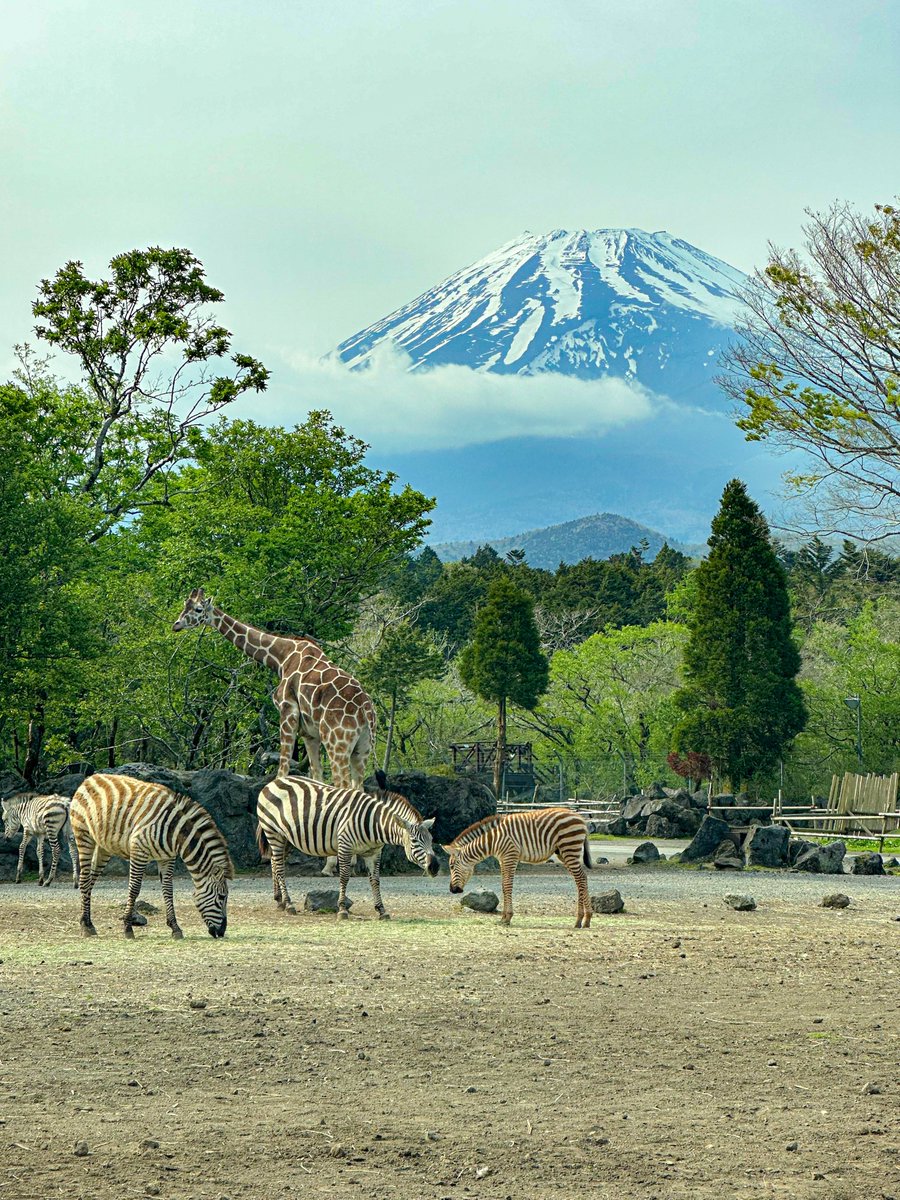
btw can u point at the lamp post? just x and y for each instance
(854, 703)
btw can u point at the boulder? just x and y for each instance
(797, 847)
(722, 800)
(655, 791)
(891, 863)
(633, 809)
(324, 900)
(727, 857)
(455, 802)
(646, 852)
(767, 846)
(608, 902)
(617, 828)
(836, 900)
(739, 903)
(706, 840)
(823, 860)
(481, 900)
(867, 864)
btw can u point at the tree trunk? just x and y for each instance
(390, 734)
(500, 758)
(35, 743)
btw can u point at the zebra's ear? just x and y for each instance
(381, 779)
(428, 824)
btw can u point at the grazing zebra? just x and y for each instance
(530, 837)
(144, 822)
(401, 806)
(40, 817)
(321, 820)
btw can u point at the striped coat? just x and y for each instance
(145, 822)
(321, 820)
(40, 817)
(530, 837)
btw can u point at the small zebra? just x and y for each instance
(403, 808)
(40, 817)
(321, 820)
(531, 837)
(144, 822)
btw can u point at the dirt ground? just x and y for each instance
(680, 1049)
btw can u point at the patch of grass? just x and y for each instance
(857, 845)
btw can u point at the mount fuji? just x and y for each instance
(648, 309)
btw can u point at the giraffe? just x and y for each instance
(329, 707)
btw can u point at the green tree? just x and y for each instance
(741, 703)
(153, 368)
(405, 657)
(817, 366)
(504, 661)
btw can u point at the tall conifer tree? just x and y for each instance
(504, 662)
(741, 702)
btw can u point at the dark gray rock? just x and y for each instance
(739, 903)
(797, 847)
(660, 827)
(646, 852)
(700, 800)
(722, 800)
(823, 860)
(481, 900)
(767, 846)
(655, 791)
(891, 863)
(706, 840)
(608, 902)
(618, 828)
(727, 857)
(867, 864)
(634, 807)
(836, 900)
(455, 802)
(324, 900)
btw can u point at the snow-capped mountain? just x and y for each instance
(643, 306)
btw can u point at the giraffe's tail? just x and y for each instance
(262, 844)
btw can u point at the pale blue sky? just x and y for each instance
(328, 161)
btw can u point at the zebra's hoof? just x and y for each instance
(290, 908)
(129, 932)
(177, 934)
(18, 881)
(343, 914)
(88, 931)
(384, 916)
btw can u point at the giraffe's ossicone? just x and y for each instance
(315, 698)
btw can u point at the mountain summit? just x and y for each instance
(590, 303)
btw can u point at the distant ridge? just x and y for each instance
(597, 536)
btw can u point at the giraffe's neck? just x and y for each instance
(267, 648)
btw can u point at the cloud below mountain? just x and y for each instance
(452, 406)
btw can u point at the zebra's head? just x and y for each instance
(12, 818)
(211, 898)
(418, 844)
(461, 868)
(198, 610)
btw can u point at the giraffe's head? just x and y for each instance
(198, 610)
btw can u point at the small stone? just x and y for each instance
(771, 1063)
(739, 903)
(818, 1175)
(361, 1055)
(470, 1090)
(676, 943)
(150, 1189)
(432, 1135)
(324, 900)
(481, 900)
(81, 1150)
(608, 902)
(336, 1150)
(199, 1003)
(835, 900)
(149, 1144)
(818, 1020)
(871, 1089)
(481, 1172)
(791, 1147)
(646, 852)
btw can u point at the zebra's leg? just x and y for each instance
(508, 864)
(54, 857)
(345, 859)
(23, 846)
(40, 858)
(279, 881)
(95, 860)
(73, 854)
(136, 867)
(373, 866)
(572, 861)
(166, 875)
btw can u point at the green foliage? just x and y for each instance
(741, 704)
(405, 657)
(504, 660)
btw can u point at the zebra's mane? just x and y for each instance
(474, 831)
(397, 801)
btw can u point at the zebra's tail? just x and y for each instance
(586, 853)
(262, 844)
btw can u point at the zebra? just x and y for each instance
(40, 817)
(144, 822)
(403, 807)
(321, 820)
(531, 837)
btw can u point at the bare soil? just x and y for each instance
(680, 1049)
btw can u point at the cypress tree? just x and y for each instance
(503, 661)
(741, 702)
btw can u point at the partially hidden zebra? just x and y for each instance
(401, 806)
(146, 822)
(40, 817)
(321, 820)
(530, 837)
